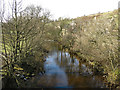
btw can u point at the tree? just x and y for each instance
(20, 34)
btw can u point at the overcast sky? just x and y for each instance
(74, 8)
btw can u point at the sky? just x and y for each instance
(74, 8)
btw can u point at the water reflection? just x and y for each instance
(64, 70)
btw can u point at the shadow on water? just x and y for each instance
(64, 70)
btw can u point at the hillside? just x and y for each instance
(95, 39)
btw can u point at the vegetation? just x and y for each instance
(95, 38)
(26, 33)
(21, 35)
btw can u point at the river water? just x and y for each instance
(64, 71)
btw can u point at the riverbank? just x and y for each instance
(94, 38)
(97, 67)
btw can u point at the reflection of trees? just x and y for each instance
(72, 59)
(61, 58)
(67, 62)
(71, 64)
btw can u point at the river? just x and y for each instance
(64, 71)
